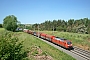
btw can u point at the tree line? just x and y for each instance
(75, 26)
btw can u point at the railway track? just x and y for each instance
(80, 52)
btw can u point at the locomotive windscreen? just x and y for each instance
(69, 43)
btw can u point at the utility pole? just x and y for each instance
(38, 30)
(34, 28)
(25, 26)
(53, 30)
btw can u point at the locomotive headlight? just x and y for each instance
(71, 44)
(68, 45)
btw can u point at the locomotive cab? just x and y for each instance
(69, 44)
(63, 42)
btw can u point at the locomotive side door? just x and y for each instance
(65, 44)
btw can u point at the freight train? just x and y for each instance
(67, 44)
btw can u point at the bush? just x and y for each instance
(10, 48)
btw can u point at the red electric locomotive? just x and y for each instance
(63, 42)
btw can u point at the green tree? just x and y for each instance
(70, 25)
(10, 23)
(88, 27)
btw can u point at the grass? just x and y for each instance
(2, 29)
(29, 41)
(80, 40)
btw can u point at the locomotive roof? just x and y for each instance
(61, 38)
(68, 41)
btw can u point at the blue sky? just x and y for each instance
(37, 11)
